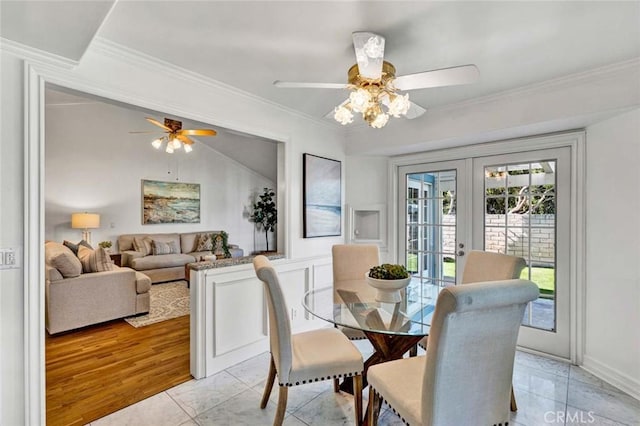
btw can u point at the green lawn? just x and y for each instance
(544, 277)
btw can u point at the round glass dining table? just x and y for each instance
(392, 328)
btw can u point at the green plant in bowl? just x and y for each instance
(388, 271)
(388, 280)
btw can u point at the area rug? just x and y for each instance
(168, 300)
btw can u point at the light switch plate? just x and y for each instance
(9, 258)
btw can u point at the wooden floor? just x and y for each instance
(100, 369)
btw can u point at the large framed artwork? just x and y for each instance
(170, 202)
(322, 208)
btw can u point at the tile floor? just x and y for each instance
(547, 391)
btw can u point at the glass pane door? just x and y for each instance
(521, 209)
(429, 212)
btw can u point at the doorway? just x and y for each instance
(518, 203)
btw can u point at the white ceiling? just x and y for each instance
(249, 44)
(253, 152)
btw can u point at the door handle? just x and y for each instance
(460, 253)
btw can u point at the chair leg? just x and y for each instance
(282, 406)
(336, 385)
(374, 407)
(514, 406)
(357, 398)
(413, 351)
(268, 385)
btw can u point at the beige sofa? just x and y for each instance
(166, 267)
(92, 298)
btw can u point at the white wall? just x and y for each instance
(612, 342)
(367, 183)
(12, 372)
(94, 164)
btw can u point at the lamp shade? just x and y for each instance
(85, 220)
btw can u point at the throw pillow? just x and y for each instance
(164, 247)
(205, 242)
(143, 245)
(74, 247)
(94, 260)
(63, 259)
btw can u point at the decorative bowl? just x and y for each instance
(388, 291)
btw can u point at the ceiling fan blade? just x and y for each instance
(184, 139)
(331, 113)
(295, 85)
(369, 48)
(415, 111)
(463, 74)
(157, 123)
(197, 132)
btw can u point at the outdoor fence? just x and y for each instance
(515, 231)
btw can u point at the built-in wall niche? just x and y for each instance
(367, 224)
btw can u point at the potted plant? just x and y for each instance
(265, 214)
(388, 279)
(106, 245)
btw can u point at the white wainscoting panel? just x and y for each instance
(229, 311)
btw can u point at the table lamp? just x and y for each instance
(85, 221)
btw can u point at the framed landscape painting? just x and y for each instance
(170, 202)
(322, 209)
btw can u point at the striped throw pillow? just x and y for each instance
(94, 260)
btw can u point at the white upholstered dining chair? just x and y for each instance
(488, 266)
(351, 262)
(450, 386)
(306, 357)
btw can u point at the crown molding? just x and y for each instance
(35, 56)
(579, 78)
(136, 58)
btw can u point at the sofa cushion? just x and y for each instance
(63, 259)
(169, 247)
(161, 261)
(74, 247)
(94, 260)
(143, 244)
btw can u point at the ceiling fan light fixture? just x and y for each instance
(187, 148)
(360, 99)
(399, 105)
(169, 149)
(175, 143)
(380, 121)
(157, 143)
(343, 115)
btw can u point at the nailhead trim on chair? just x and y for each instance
(321, 378)
(405, 422)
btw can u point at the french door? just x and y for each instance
(521, 206)
(433, 205)
(516, 204)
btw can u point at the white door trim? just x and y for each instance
(36, 74)
(575, 140)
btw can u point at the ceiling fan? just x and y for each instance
(375, 88)
(176, 135)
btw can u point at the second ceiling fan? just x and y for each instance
(375, 88)
(176, 135)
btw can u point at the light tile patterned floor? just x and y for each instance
(547, 391)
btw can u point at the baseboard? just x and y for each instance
(612, 376)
